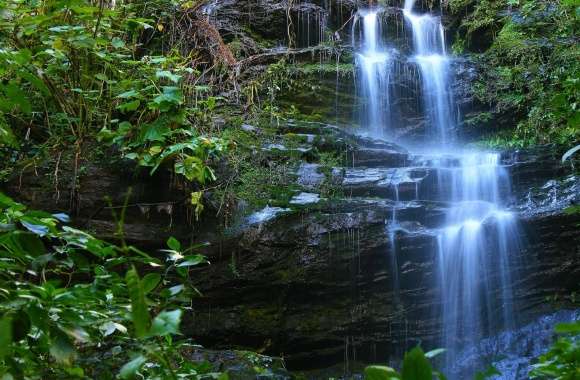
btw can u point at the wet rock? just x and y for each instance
(395, 183)
(374, 157)
(552, 197)
(249, 128)
(316, 284)
(513, 352)
(309, 176)
(319, 284)
(532, 167)
(305, 199)
(239, 365)
(266, 214)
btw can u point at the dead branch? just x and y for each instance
(220, 52)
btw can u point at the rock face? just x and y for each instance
(522, 345)
(315, 283)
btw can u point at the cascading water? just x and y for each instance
(478, 235)
(374, 64)
(430, 56)
(473, 250)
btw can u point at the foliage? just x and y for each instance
(68, 311)
(531, 69)
(77, 71)
(416, 366)
(562, 361)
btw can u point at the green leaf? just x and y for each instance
(128, 94)
(490, 371)
(118, 43)
(24, 243)
(150, 282)
(35, 81)
(16, 99)
(62, 349)
(102, 77)
(129, 370)
(174, 244)
(568, 328)
(75, 372)
(155, 131)
(169, 75)
(139, 312)
(7, 136)
(376, 372)
(416, 366)
(129, 106)
(192, 260)
(6, 201)
(171, 96)
(166, 323)
(5, 336)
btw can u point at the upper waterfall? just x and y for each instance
(430, 55)
(374, 63)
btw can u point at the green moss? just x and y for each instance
(262, 319)
(530, 72)
(341, 69)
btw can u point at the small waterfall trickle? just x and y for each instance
(374, 67)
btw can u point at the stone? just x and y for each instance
(309, 175)
(266, 214)
(305, 199)
(249, 128)
(318, 280)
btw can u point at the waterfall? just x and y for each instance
(374, 64)
(478, 235)
(430, 56)
(473, 251)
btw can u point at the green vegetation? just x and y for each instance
(73, 306)
(561, 362)
(77, 74)
(416, 366)
(530, 70)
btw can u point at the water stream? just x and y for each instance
(478, 235)
(374, 64)
(433, 62)
(473, 250)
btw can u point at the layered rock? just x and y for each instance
(317, 283)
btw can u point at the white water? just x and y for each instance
(473, 251)
(433, 62)
(374, 63)
(478, 235)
